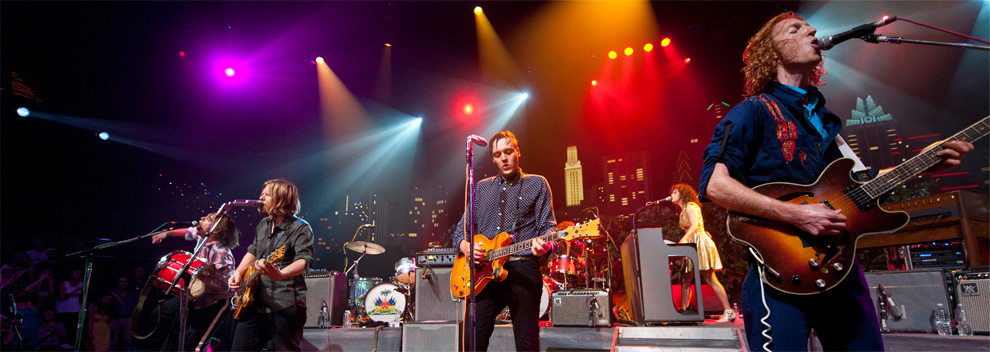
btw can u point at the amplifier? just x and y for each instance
(433, 298)
(969, 293)
(326, 299)
(916, 292)
(431, 336)
(945, 254)
(580, 308)
(436, 257)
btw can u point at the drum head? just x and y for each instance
(385, 303)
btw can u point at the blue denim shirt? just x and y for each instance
(767, 138)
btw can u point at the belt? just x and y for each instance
(513, 258)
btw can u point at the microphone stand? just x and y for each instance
(88, 255)
(470, 337)
(877, 38)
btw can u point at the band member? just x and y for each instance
(782, 132)
(519, 204)
(279, 295)
(216, 251)
(708, 260)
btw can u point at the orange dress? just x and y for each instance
(708, 258)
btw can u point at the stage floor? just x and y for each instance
(709, 336)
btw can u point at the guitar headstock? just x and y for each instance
(277, 254)
(587, 229)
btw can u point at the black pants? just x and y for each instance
(284, 328)
(521, 291)
(197, 323)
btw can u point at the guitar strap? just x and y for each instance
(140, 306)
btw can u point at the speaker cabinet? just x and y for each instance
(431, 336)
(580, 308)
(917, 292)
(973, 292)
(433, 298)
(329, 289)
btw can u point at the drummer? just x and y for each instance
(217, 251)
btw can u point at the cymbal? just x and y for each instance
(365, 247)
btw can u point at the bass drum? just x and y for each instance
(385, 303)
(198, 274)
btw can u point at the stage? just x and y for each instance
(709, 336)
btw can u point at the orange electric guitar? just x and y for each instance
(497, 252)
(801, 264)
(244, 297)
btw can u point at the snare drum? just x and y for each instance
(405, 271)
(197, 274)
(360, 287)
(385, 303)
(566, 268)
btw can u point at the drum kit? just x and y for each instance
(373, 302)
(575, 265)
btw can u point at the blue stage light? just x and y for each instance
(104, 135)
(23, 112)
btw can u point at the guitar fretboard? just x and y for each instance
(524, 245)
(921, 162)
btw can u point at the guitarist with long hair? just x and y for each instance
(782, 132)
(519, 204)
(216, 251)
(276, 303)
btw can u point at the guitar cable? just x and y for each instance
(763, 297)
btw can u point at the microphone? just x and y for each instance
(183, 223)
(829, 41)
(658, 201)
(478, 139)
(246, 203)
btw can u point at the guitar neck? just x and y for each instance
(524, 245)
(921, 162)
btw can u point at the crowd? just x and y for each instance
(41, 295)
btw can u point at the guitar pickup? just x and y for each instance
(827, 204)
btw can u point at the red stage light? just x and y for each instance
(687, 60)
(182, 53)
(648, 47)
(612, 54)
(594, 83)
(468, 109)
(665, 42)
(628, 51)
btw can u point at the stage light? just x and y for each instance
(665, 42)
(182, 53)
(884, 18)
(477, 10)
(419, 120)
(524, 96)
(468, 109)
(687, 60)
(229, 72)
(319, 59)
(387, 44)
(612, 54)
(23, 112)
(648, 47)
(594, 82)
(104, 135)
(628, 51)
